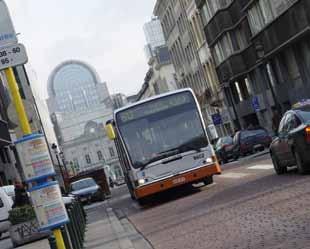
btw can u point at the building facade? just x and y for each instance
(261, 53)
(154, 37)
(79, 105)
(183, 30)
(119, 100)
(160, 77)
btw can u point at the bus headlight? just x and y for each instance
(141, 181)
(209, 160)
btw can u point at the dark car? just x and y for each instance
(249, 141)
(224, 149)
(292, 145)
(87, 190)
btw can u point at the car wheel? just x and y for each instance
(302, 169)
(277, 167)
(102, 196)
(208, 180)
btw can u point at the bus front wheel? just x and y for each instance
(208, 180)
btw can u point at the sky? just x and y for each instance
(107, 34)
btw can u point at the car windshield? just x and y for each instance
(305, 115)
(226, 140)
(251, 133)
(83, 184)
(170, 125)
(9, 190)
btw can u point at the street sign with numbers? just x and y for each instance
(7, 31)
(12, 56)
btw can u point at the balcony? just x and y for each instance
(296, 21)
(5, 138)
(222, 20)
(272, 39)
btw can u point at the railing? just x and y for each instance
(74, 232)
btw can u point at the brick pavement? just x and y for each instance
(257, 210)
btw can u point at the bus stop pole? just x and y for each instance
(26, 129)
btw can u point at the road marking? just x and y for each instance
(262, 166)
(233, 175)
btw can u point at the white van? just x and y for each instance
(6, 204)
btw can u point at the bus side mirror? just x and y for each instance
(110, 131)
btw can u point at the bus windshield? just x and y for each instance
(161, 127)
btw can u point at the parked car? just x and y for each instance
(292, 145)
(249, 141)
(9, 190)
(6, 204)
(87, 190)
(224, 149)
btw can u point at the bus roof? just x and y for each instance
(153, 98)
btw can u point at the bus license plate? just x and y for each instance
(179, 180)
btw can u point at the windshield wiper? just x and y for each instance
(171, 152)
(159, 156)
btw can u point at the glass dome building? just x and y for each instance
(73, 87)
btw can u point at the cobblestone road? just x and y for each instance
(248, 207)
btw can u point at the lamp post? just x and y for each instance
(61, 154)
(54, 147)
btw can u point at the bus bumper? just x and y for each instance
(178, 180)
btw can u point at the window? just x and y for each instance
(238, 39)
(292, 122)
(100, 156)
(112, 153)
(211, 7)
(223, 49)
(76, 164)
(256, 19)
(265, 11)
(87, 158)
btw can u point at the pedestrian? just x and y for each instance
(21, 196)
(276, 119)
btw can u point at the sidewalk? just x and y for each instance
(111, 233)
(105, 231)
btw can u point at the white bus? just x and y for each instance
(162, 143)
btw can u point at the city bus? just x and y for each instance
(162, 143)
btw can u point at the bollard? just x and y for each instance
(52, 242)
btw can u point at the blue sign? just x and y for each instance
(217, 119)
(255, 104)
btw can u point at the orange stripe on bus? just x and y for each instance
(178, 180)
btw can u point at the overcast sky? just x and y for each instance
(108, 34)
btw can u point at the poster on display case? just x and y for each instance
(49, 207)
(35, 157)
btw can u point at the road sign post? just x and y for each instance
(13, 54)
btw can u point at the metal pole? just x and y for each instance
(25, 126)
(17, 100)
(60, 168)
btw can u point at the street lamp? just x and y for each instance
(54, 147)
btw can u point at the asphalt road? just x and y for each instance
(248, 206)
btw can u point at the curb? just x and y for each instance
(124, 241)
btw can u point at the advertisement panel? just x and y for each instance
(49, 207)
(34, 157)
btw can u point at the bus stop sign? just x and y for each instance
(7, 31)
